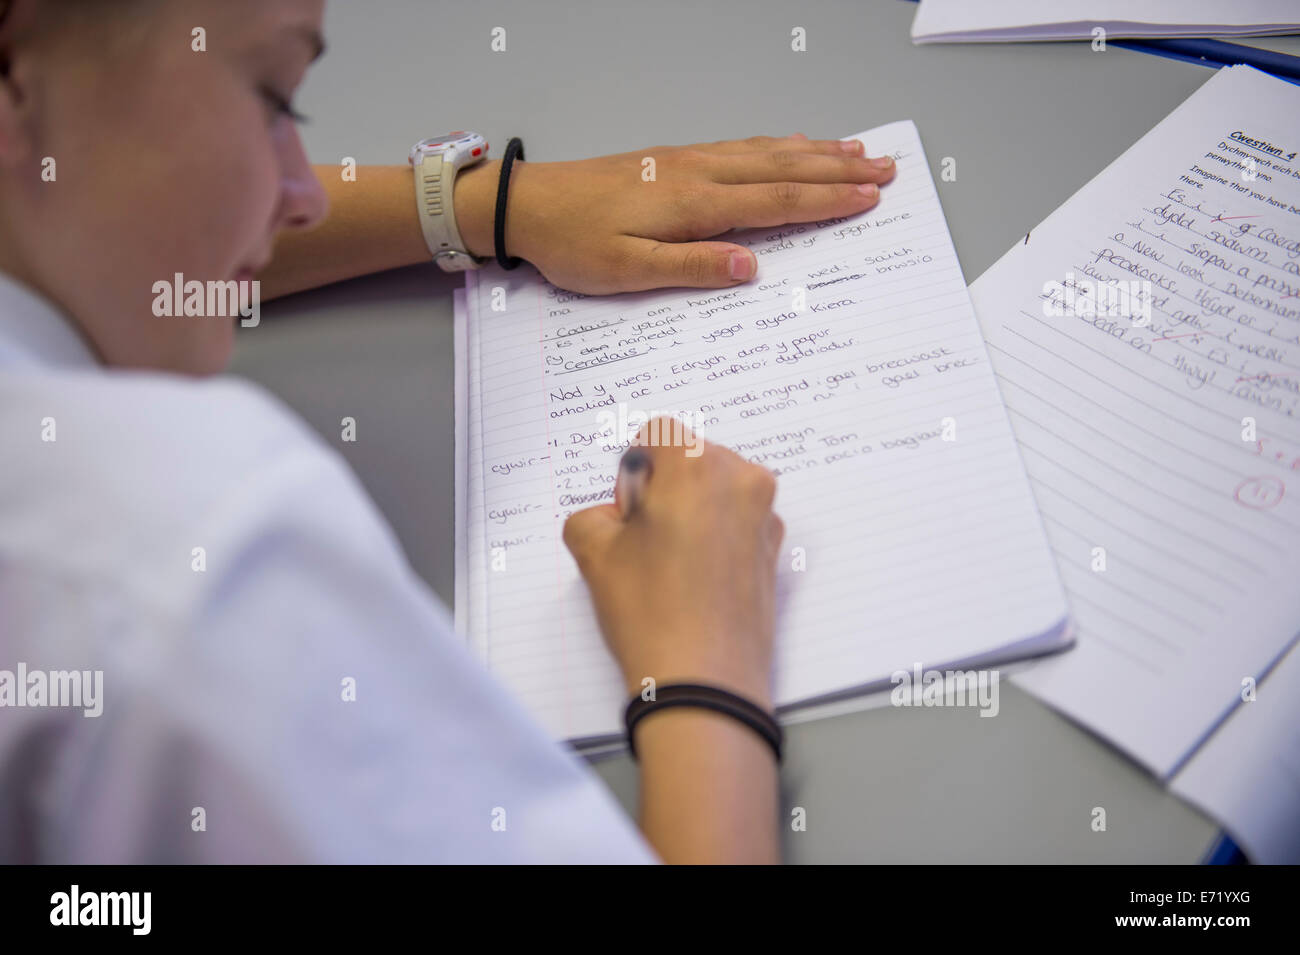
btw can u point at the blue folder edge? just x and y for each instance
(1219, 53)
(1225, 852)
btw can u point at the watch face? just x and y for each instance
(478, 145)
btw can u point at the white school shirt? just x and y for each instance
(225, 733)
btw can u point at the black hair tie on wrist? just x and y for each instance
(710, 698)
(513, 148)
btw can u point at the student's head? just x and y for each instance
(144, 138)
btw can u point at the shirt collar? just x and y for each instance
(34, 332)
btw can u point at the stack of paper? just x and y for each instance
(974, 21)
(853, 366)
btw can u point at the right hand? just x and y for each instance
(684, 589)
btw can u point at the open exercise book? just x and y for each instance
(1161, 432)
(911, 533)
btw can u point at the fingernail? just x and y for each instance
(851, 146)
(884, 162)
(869, 189)
(741, 265)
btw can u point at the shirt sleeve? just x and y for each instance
(302, 697)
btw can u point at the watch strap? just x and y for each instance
(435, 180)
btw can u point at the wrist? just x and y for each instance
(671, 729)
(755, 688)
(709, 788)
(475, 199)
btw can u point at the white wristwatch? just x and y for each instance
(435, 162)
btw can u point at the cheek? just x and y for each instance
(223, 211)
(221, 176)
(200, 203)
(239, 202)
(168, 187)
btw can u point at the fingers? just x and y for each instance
(634, 470)
(757, 483)
(759, 182)
(654, 264)
(830, 147)
(651, 264)
(792, 165)
(686, 473)
(756, 205)
(775, 535)
(589, 531)
(776, 530)
(776, 174)
(674, 448)
(670, 445)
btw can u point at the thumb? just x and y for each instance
(689, 264)
(588, 532)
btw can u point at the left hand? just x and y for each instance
(594, 226)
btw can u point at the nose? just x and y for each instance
(303, 201)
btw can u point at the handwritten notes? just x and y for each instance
(1162, 438)
(852, 366)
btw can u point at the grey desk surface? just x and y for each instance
(1028, 124)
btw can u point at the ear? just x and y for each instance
(17, 20)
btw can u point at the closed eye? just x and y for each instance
(281, 105)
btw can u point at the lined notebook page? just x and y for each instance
(470, 589)
(1135, 438)
(478, 542)
(460, 328)
(914, 548)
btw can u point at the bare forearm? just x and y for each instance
(372, 225)
(708, 788)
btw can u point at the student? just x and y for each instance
(277, 684)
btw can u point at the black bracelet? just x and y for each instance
(710, 698)
(513, 148)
